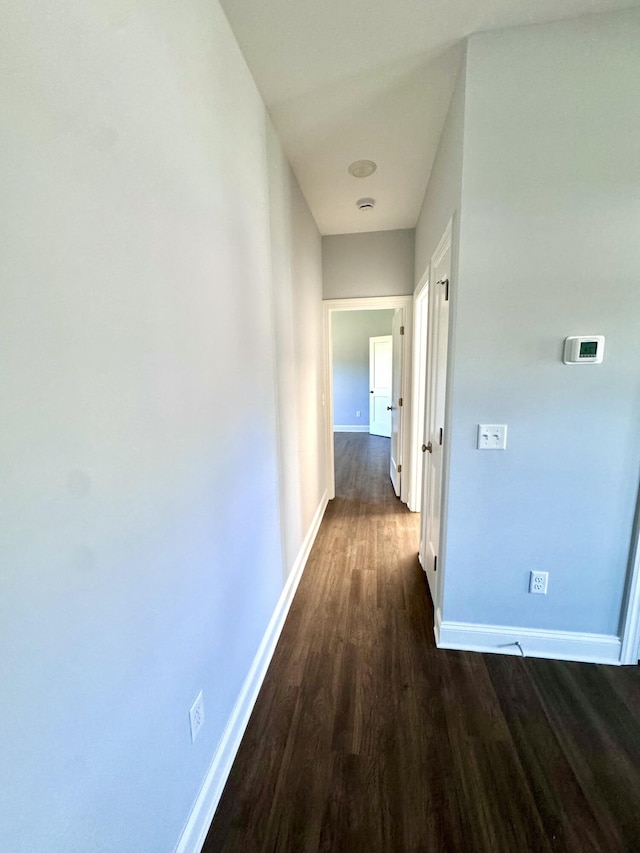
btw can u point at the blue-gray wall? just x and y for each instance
(351, 331)
(549, 225)
(158, 475)
(376, 263)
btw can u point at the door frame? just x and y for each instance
(449, 239)
(445, 245)
(368, 303)
(630, 639)
(419, 374)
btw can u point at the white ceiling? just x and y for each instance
(369, 79)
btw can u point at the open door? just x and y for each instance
(380, 361)
(435, 427)
(395, 465)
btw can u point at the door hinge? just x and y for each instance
(399, 469)
(400, 401)
(441, 431)
(435, 563)
(402, 330)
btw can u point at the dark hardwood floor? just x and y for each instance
(365, 737)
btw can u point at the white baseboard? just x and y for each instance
(535, 643)
(351, 428)
(197, 826)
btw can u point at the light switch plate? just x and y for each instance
(492, 437)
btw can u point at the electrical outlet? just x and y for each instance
(358, 413)
(196, 716)
(538, 582)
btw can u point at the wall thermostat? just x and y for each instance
(584, 349)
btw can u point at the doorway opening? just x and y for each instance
(338, 419)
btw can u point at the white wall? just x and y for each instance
(141, 503)
(548, 248)
(351, 331)
(377, 263)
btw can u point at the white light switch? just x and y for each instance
(492, 436)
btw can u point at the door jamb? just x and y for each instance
(631, 622)
(447, 241)
(368, 303)
(419, 372)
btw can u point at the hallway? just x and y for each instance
(365, 737)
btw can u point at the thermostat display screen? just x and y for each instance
(588, 349)
(583, 349)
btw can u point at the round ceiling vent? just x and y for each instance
(365, 203)
(362, 168)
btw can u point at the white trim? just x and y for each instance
(631, 630)
(199, 821)
(351, 428)
(445, 241)
(437, 619)
(420, 317)
(368, 303)
(451, 237)
(535, 643)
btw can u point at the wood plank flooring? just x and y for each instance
(365, 737)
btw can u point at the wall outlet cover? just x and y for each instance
(538, 582)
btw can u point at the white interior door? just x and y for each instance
(380, 375)
(434, 436)
(395, 463)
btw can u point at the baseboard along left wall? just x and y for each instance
(204, 808)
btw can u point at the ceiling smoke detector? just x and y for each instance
(365, 203)
(362, 168)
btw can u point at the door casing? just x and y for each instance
(397, 403)
(436, 427)
(419, 375)
(630, 651)
(449, 238)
